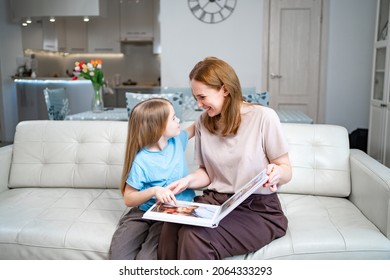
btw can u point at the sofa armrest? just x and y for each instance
(371, 189)
(5, 165)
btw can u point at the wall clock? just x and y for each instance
(212, 11)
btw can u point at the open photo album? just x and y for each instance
(206, 215)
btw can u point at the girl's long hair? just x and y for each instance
(147, 123)
(216, 73)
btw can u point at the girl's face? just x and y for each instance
(211, 100)
(173, 125)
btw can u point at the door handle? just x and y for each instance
(275, 76)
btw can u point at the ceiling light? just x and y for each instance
(52, 19)
(24, 24)
(86, 19)
(28, 20)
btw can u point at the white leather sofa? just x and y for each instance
(59, 194)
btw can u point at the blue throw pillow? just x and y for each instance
(260, 98)
(176, 99)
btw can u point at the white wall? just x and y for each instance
(10, 48)
(350, 55)
(185, 40)
(238, 40)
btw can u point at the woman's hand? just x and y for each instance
(273, 172)
(164, 195)
(196, 180)
(279, 172)
(179, 185)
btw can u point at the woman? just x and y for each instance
(234, 142)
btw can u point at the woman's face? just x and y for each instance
(211, 100)
(173, 124)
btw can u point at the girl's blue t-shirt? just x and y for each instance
(160, 168)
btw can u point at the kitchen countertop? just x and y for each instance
(62, 80)
(42, 78)
(140, 86)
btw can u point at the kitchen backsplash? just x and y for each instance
(136, 63)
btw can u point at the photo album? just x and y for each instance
(206, 215)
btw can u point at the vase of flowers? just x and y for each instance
(92, 71)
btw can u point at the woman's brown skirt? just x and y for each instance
(253, 224)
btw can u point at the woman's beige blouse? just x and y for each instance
(233, 160)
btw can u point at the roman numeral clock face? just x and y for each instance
(212, 11)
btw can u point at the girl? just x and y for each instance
(154, 158)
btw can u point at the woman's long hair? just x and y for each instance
(216, 73)
(147, 123)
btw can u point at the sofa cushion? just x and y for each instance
(189, 109)
(259, 98)
(319, 156)
(323, 227)
(189, 102)
(76, 154)
(58, 223)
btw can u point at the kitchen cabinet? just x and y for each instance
(156, 28)
(136, 20)
(125, 21)
(103, 32)
(379, 126)
(61, 35)
(76, 35)
(32, 36)
(73, 35)
(67, 34)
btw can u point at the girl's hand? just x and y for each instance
(164, 195)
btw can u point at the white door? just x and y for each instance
(294, 55)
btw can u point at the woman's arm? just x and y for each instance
(279, 172)
(196, 180)
(133, 197)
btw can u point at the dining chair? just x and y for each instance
(57, 103)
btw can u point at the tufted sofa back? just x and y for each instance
(319, 156)
(76, 154)
(82, 154)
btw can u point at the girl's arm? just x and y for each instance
(133, 197)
